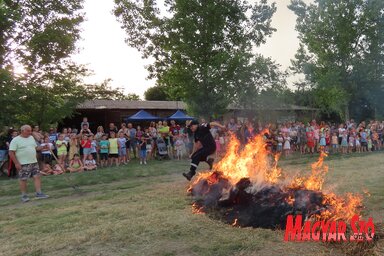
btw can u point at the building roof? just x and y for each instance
(168, 105)
(131, 104)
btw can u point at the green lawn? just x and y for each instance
(145, 210)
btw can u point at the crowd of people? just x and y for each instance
(77, 150)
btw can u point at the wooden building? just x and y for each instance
(103, 112)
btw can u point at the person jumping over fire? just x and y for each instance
(204, 146)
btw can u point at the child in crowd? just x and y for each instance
(93, 147)
(58, 169)
(363, 140)
(358, 144)
(179, 144)
(143, 148)
(104, 150)
(46, 155)
(327, 140)
(90, 164)
(113, 150)
(335, 143)
(323, 142)
(344, 143)
(149, 137)
(86, 144)
(85, 122)
(121, 141)
(62, 146)
(280, 141)
(369, 141)
(75, 165)
(310, 140)
(47, 170)
(351, 143)
(218, 145)
(287, 144)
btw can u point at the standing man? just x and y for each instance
(204, 146)
(131, 137)
(22, 151)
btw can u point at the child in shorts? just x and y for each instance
(335, 142)
(86, 144)
(62, 151)
(104, 150)
(113, 150)
(143, 148)
(122, 148)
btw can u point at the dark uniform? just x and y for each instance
(204, 136)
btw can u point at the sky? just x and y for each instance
(103, 49)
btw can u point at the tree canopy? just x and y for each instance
(341, 55)
(39, 36)
(201, 48)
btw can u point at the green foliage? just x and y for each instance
(341, 54)
(201, 49)
(157, 92)
(40, 36)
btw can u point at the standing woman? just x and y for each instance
(153, 135)
(73, 146)
(99, 133)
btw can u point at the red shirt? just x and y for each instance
(86, 143)
(310, 136)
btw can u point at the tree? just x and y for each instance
(157, 92)
(199, 48)
(132, 96)
(40, 36)
(261, 84)
(342, 54)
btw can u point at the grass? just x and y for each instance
(144, 210)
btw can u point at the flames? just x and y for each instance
(254, 162)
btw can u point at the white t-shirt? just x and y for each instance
(89, 162)
(46, 151)
(25, 149)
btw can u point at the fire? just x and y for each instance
(253, 168)
(253, 161)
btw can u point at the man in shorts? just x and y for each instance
(204, 146)
(22, 151)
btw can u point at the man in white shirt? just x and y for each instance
(22, 151)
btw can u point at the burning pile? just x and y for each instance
(247, 188)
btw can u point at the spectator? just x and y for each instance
(112, 128)
(61, 146)
(179, 146)
(132, 140)
(37, 134)
(153, 135)
(142, 142)
(73, 146)
(23, 153)
(113, 149)
(90, 164)
(232, 126)
(122, 148)
(99, 133)
(190, 137)
(86, 145)
(75, 165)
(104, 149)
(84, 122)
